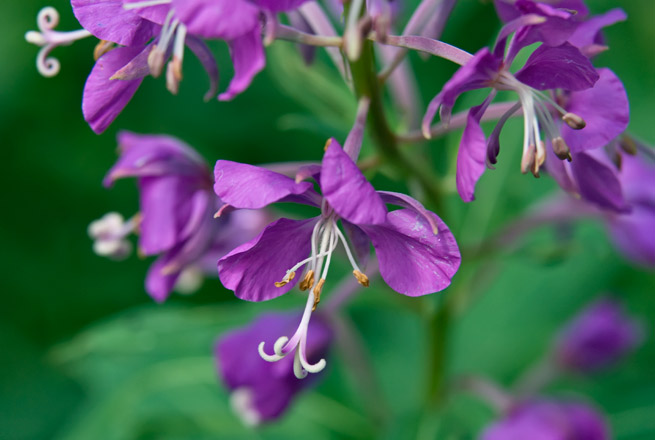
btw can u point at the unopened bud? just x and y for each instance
(574, 121)
(560, 148)
(361, 278)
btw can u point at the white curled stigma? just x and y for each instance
(48, 39)
(298, 342)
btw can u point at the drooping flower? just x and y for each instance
(548, 420)
(416, 251)
(176, 210)
(601, 335)
(261, 391)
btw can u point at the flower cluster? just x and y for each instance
(575, 116)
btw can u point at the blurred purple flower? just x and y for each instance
(547, 68)
(177, 205)
(548, 420)
(261, 391)
(601, 335)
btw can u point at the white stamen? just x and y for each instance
(109, 234)
(242, 402)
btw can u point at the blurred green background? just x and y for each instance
(86, 354)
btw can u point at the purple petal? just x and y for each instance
(159, 285)
(359, 241)
(104, 99)
(346, 189)
(561, 67)
(217, 19)
(413, 260)
(588, 32)
(476, 74)
(598, 182)
(248, 58)
(471, 158)
(163, 201)
(206, 58)
(507, 10)
(156, 13)
(405, 201)
(147, 155)
(108, 20)
(560, 170)
(251, 187)
(604, 108)
(633, 234)
(279, 5)
(252, 269)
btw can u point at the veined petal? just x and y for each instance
(605, 110)
(413, 260)
(476, 74)
(561, 67)
(103, 98)
(248, 57)
(108, 20)
(252, 269)
(399, 199)
(250, 187)
(155, 13)
(471, 158)
(346, 189)
(222, 19)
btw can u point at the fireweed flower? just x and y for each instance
(176, 216)
(261, 391)
(548, 68)
(548, 420)
(601, 335)
(416, 251)
(589, 173)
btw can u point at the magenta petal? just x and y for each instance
(252, 269)
(158, 284)
(347, 190)
(405, 201)
(108, 20)
(206, 58)
(279, 5)
(413, 260)
(633, 234)
(560, 170)
(251, 187)
(217, 19)
(103, 98)
(156, 13)
(471, 159)
(248, 57)
(561, 67)
(359, 242)
(476, 74)
(588, 32)
(604, 108)
(598, 182)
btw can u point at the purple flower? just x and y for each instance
(416, 251)
(176, 216)
(173, 24)
(548, 68)
(548, 420)
(632, 233)
(261, 391)
(590, 173)
(598, 337)
(509, 10)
